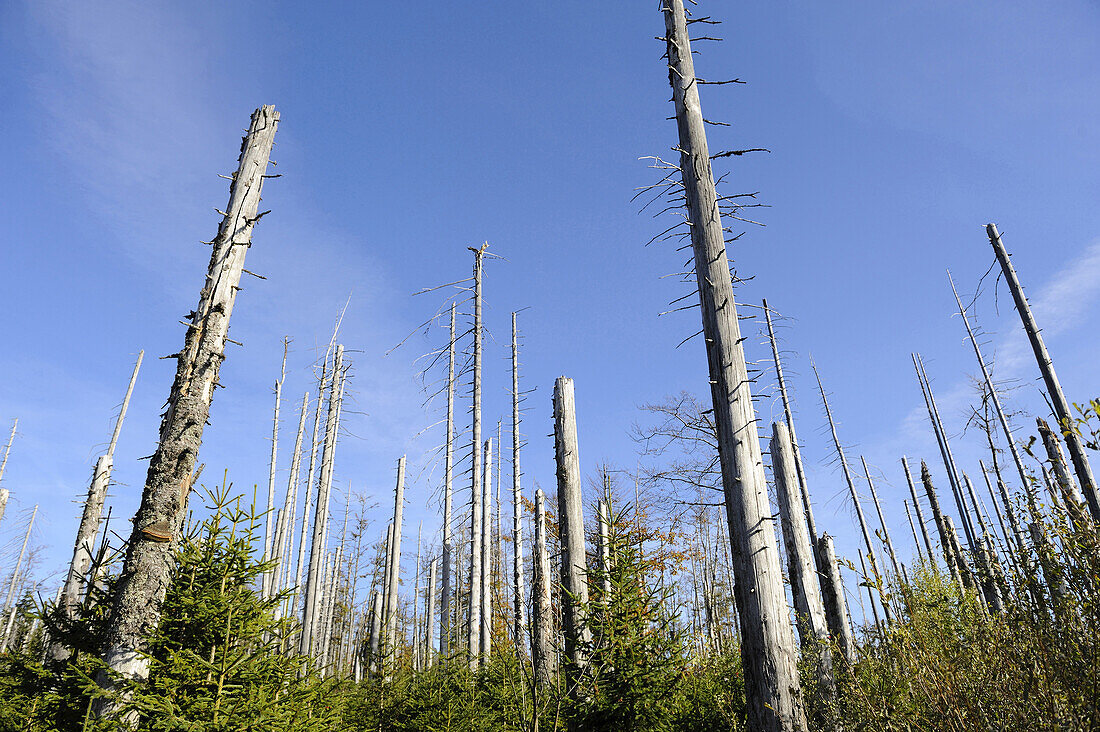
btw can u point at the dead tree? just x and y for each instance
(574, 562)
(1071, 496)
(4, 465)
(321, 510)
(473, 640)
(1013, 449)
(1050, 378)
(851, 486)
(376, 631)
(949, 555)
(487, 553)
(945, 450)
(519, 594)
(809, 608)
(913, 528)
(310, 473)
(429, 619)
(447, 591)
(788, 415)
(916, 508)
(145, 574)
(542, 643)
(269, 536)
(90, 520)
(3, 502)
(836, 604)
(881, 519)
(290, 503)
(389, 611)
(767, 642)
(9, 602)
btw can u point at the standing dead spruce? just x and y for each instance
(146, 572)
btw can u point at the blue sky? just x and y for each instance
(411, 131)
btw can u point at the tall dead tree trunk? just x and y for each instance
(542, 644)
(416, 602)
(290, 504)
(788, 415)
(913, 528)
(519, 620)
(395, 566)
(321, 511)
(270, 549)
(767, 642)
(487, 553)
(447, 591)
(1001, 418)
(429, 624)
(835, 601)
(310, 474)
(1050, 378)
(145, 574)
(3, 502)
(93, 513)
(809, 608)
(941, 525)
(881, 519)
(1071, 496)
(7, 451)
(473, 640)
(916, 508)
(574, 561)
(945, 450)
(9, 603)
(851, 485)
(376, 631)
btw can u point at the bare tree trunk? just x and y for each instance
(1017, 532)
(913, 528)
(473, 641)
(851, 484)
(945, 450)
(836, 604)
(429, 620)
(811, 524)
(445, 631)
(268, 581)
(290, 504)
(143, 581)
(321, 511)
(603, 519)
(90, 520)
(376, 631)
(310, 472)
(487, 553)
(574, 562)
(4, 462)
(9, 603)
(1071, 497)
(881, 519)
(542, 644)
(416, 601)
(809, 608)
(1012, 448)
(1050, 378)
(767, 642)
(3, 502)
(941, 526)
(519, 629)
(395, 566)
(920, 514)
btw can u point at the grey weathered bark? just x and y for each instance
(9, 602)
(941, 525)
(574, 562)
(90, 520)
(913, 528)
(1006, 501)
(542, 645)
(835, 602)
(3, 502)
(809, 608)
(429, 620)
(788, 415)
(974, 502)
(1001, 418)
(310, 473)
(881, 519)
(447, 591)
(268, 581)
(144, 578)
(416, 601)
(487, 553)
(945, 449)
(851, 484)
(603, 522)
(519, 620)
(473, 641)
(390, 610)
(916, 508)
(321, 510)
(1050, 378)
(376, 631)
(767, 641)
(1071, 496)
(965, 574)
(290, 504)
